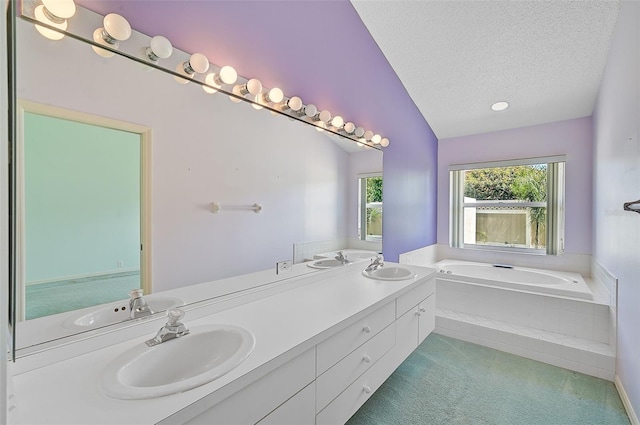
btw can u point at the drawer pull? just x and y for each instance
(423, 310)
(418, 313)
(366, 359)
(366, 389)
(366, 329)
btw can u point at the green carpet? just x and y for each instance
(448, 381)
(57, 297)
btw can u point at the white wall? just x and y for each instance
(617, 180)
(572, 138)
(204, 149)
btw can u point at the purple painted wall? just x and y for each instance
(572, 138)
(617, 180)
(322, 52)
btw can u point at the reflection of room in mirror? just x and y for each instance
(306, 180)
(81, 204)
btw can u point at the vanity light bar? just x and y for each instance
(251, 91)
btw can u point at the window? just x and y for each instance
(515, 205)
(370, 207)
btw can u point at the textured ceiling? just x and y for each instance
(456, 58)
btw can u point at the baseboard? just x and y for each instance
(626, 402)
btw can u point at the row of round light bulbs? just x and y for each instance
(116, 28)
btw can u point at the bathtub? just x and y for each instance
(519, 278)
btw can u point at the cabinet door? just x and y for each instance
(427, 310)
(406, 334)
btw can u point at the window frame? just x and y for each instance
(363, 205)
(555, 203)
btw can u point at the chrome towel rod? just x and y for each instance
(632, 206)
(216, 207)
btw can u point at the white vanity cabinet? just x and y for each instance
(313, 363)
(330, 382)
(359, 374)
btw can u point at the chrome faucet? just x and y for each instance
(173, 329)
(138, 307)
(375, 264)
(342, 258)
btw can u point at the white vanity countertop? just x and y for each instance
(284, 325)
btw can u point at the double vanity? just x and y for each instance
(307, 350)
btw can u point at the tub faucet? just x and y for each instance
(138, 307)
(342, 258)
(173, 329)
(375, 264)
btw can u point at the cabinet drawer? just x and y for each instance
(263, 395)
(350, 400)
(414, 296)
(335, 380)
(298, 410)
(332, 350)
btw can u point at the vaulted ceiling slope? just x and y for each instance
(456, 58)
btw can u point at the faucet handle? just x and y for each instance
(174, 316)
(135, 293)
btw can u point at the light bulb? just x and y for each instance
(227, 75)
(274, 95)
(376, 139)
(310, 110)
(237, 90)
(97, 37)
(294, 103)
(197, 63)
(360, 144)
(256, 105)
(349, 127)
(211, 81)
(368, 135)
(320, 126)
(43, 17)
(159, 48)
(180, 70)
(254, 86)
(60, 9)
(384, 142)
(337, 122)
(116, 29)
(325, 116)
(358, 132)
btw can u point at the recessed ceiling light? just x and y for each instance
(499, 106)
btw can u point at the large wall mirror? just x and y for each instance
(201, 149)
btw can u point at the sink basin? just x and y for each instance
(361, 255)
(325, 264)
(116, 312)
(178, 365)
(390, 273)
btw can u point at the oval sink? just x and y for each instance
(178, 365)
(325, 264)
(117, 312)
(361, 255)
(390, 273)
